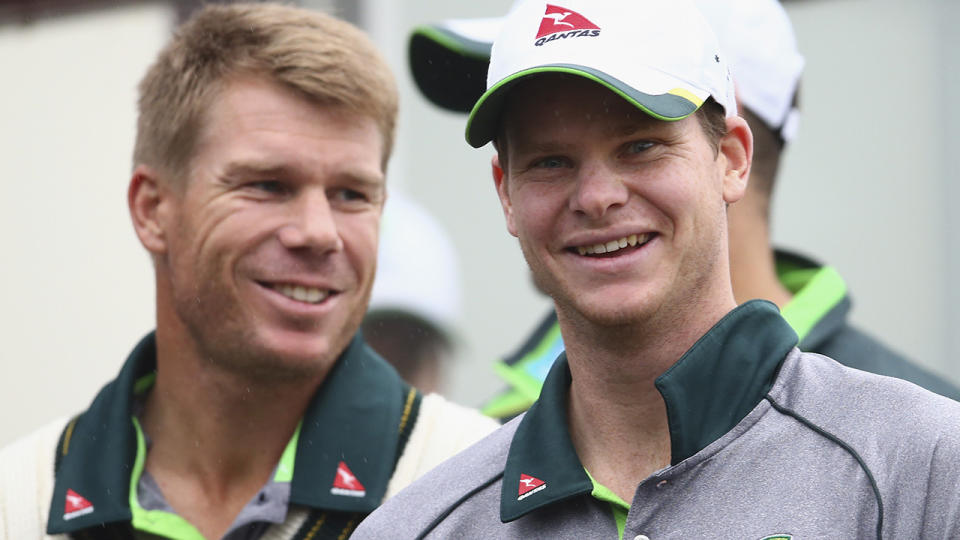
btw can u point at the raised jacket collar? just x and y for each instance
(352, 418)
(713, 386)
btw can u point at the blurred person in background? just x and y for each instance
(254, 410)
(449, 61)
(416, 297)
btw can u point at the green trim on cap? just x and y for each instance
(454, 42)
(448, 69)
(158, 522)
(482, 124)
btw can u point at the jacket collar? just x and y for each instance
(713, 386)
(353, 418)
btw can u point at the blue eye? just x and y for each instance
(552, 162)
(637, 147)
(269, 186)
(348, 195)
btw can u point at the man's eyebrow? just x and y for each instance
(241, 170)
(251, 169)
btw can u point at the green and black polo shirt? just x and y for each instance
(819, 313)
(358, 422)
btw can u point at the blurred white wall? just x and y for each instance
(867, 186)
(76, 287)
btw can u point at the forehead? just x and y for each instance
(255, 117)
(566, 103)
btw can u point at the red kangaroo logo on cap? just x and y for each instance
(560, 19)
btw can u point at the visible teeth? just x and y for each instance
(613, 245)
(300, 293)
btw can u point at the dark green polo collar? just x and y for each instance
(707, 392)
(353, 419)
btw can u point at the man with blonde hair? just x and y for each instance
(254, 410)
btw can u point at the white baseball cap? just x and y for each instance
(759, 41)
(448, 59)
(417, 266)
(659, 55)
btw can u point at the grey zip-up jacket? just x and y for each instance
(767, 442)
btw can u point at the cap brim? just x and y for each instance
(676, 104)
(450, 69)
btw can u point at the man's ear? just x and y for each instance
(147, 200)
(500, 182)
(737, 149)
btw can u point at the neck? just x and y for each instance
(618, 419)
(753, 269)
(216, 435)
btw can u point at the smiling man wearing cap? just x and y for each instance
(674, 412)
(448, 62)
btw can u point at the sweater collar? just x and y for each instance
(707, 392)
(350, 424)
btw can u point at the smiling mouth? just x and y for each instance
(633, 241)
(307, 295)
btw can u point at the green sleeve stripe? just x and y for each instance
(158, 522)
(453, 42)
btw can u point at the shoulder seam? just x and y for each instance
(849, 449)
(443, 515)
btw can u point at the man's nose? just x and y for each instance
(311, 223)
(598, 189)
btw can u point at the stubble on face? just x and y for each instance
(671, 193)
(230, 251)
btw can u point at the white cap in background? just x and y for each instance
(417, 269)
(447, 58)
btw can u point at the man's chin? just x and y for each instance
(284, 361)
(609, 313)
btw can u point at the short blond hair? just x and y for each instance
(326, 60)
